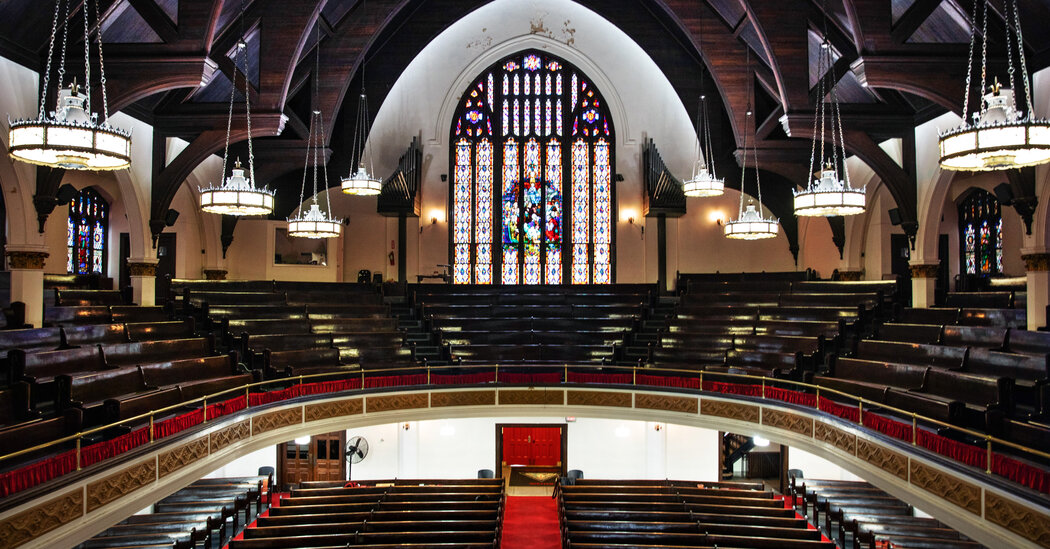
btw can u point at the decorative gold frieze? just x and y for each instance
(599, 398)
(215, 274)
(387, 403)
(142, 269)
(228, 435)
(963, 494)
(531, 396)
(924, 271)
(173, 460)
(688, 405)
(730, 410)
(338, 408)
(851, 276)
(462, 398)
(1017, 518)
(41, 519)
(26, 260)
(115, 486)
(275, 420)
(1036, 262)
(887, 460)
(788, 421)
(835, 437)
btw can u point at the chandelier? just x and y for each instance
(704, 182)
(362, 182)
(827, 193)
(238, 194)
(999, 136)
(750, 224)
(315, 223)
(71, 136)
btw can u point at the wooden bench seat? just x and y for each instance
(531, 353)
(169, 329)
(825, 314)
(1007, 318)
(198, 297)
(75, 297)
(525, 324)
(256, 311)
(987, 300)
(340, 325)
(821, 299)
(35, 432)
(870, 379)
(1026, 342)
(296, 362)
(986, 337)
(266, 326)
(931, 315)
(15, 404)
(805, 328)
(148, 352)
(940, 356)
(637, 539)
(926, 334)
(137, 313)
(73, 316)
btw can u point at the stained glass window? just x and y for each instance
(86, 233)
(981, 231)
(533, 203)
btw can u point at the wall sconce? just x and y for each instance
(630, 220)
(406, 426)
(657, 427)
(435, 217)
(716, 216)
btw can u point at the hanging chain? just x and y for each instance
(743, 164)
(1030, 111)
(1010, 53)
(101, 68)
(65, 40)
(50, 53)
(699, 133)
(969, 63)
(243, 45)
(984, 57)
(306, 164)
(87, 57)
(229, 128)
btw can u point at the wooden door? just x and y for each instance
(530, 445)
(321, 459)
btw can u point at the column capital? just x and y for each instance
(925, 270)
(142, 266)
(851, 276)
(1036, 261)
(215, 274)
(26, 259)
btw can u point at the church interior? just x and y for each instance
(525, 273)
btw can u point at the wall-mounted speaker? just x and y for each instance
(895, 216)
(1004, 194)
(170, 217)
(66, 193)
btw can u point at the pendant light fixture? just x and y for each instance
(704, 182)
(315, 223)
(71, 136)
(238, 194)
(362, 182)
(828, 191)
(997, 135)
(750, 224)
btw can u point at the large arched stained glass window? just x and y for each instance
(532, 185)
(981, 234)
(86, 233)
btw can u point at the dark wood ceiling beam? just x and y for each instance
(235, 75)
(133, 78)
(283, 34)
(297, 125)
(912, 19)
(156, 18)
(784, 37)
(937, 79)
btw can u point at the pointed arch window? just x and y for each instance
(86, 233)
(981, 234)
(532, 191)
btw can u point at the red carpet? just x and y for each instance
(530, 523)
(276, 503)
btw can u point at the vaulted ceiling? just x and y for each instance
(170, 62)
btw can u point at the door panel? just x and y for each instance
(321, 459)
(532, 446)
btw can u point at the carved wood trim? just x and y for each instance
(963, 494)
(889, 461)
(1018, 519)
(835, 437)
(788, 421)
(120, 484)
(228, 435)
(142, 269)
(531, 396)
(396, 402)
(275, 420)
(1036, 262)
(26, 260)
(599, 398)
(462, 398)
(339, 408)
(41, 519)
(687, 405)
(173, 460)
(730, 410)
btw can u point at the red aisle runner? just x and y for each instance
(530, 523)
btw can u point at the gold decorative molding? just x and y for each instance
(215, 274)
(688, 405)
(228, 435)
(889, 461)
(835, 437)
(851, 276)
(142, 269)
(1036, 262)
(462, 398)
(396, 402)
(120, 484)
(26, 260)
(925, 271)
(1018, 519)
(731, 410)
(531, 396)
(41, 519)
(339, 408)
(788, 421)
(173, 460)
(276, 420)
(950, 488)
(599, 398)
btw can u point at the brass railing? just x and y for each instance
(761, 381)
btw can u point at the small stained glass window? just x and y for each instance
(86, 239)
(981, 234)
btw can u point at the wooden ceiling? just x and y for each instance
(171, 63)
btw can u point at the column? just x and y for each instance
(143, 273)
(923, 284)
(215, 274)
(27, 282)
(1037, 269)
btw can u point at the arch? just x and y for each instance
(533, 198)
(936, 196)
(980, 233)
(859, 226)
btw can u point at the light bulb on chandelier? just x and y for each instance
(704, 182)
(750, 224)
(997, 135)
(71, 136)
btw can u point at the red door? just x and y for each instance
(532, 446)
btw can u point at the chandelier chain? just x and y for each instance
(65, 40)
(320, 125)
(101, 68)
(1030, 111)
(247, 98)
(50, 53)
(842, 139)
(87, 57)
(984, 55)
(969, 62)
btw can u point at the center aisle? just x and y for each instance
(530, 523)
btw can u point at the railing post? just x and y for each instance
(634, 375)
(362, 377)
(701, 380)
(428, 376)
(78, 451)
(860, 412)
(247, 397)
(566, 378)
(763, 387)
(914, 430)
(205, 404)
(497, 374)
(988, 458)
(818, 398)
(151, 426)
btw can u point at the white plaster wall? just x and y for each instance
(248, 465)
(814, 466)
